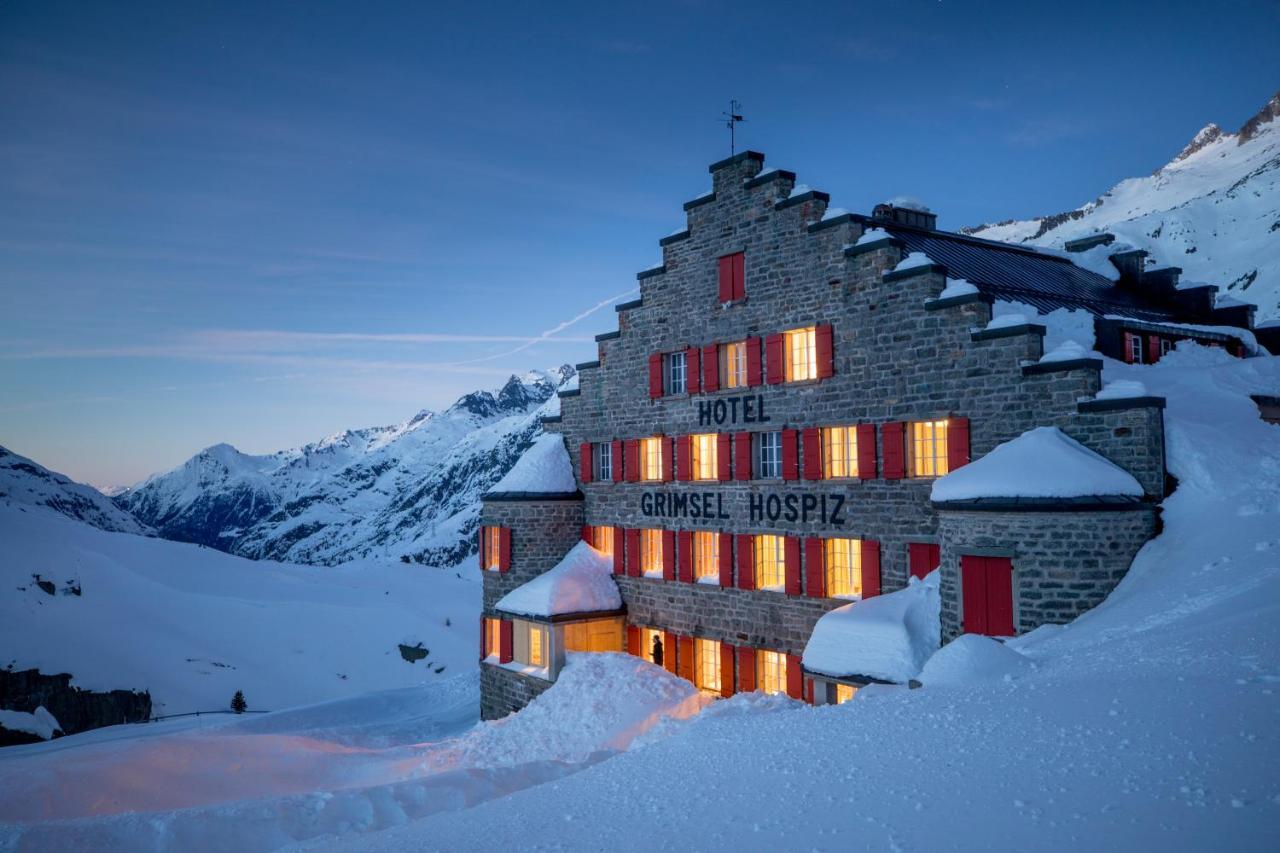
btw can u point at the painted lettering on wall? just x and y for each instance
(748, 409)
(683, 504)
(827, 509)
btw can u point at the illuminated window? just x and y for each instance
(602, 539)
(771, 562)
(771, 671)
(651, 553)
(840, 452)
(603, 453)
(706, 556)
(844, 567)
(492, 548)
(704, 459)
(801, 354)
(676, 373)
(706, 671)
(733, 365)
(845, 692)
(651, 646)
(651, 460)
(530, 642)
(492, 637)
(594, 635)
(770, 454)
(928, 448)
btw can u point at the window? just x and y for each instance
(770, 454)
(928, 448)
(594, 635)
(771, 671)
(677, 373)
(706, 557)
(651, 553)
(732, 278)
(530, 642)
(651, 646)
(651, 458)
(603, 453)
(845, 692)
(602, 539)
(733, 365)
(492, 637)
(1165, 345)
(704, 458)
(839, 452)
(492, 557)
(771, 562)
(1135, 348)
(843, 559)
(706, 672)
(801, 353)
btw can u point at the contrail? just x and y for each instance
(544, 336)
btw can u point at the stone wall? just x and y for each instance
(542, 532)
(504, 692)
(1064, 563)
(76, 710)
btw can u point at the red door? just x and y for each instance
(987, 595)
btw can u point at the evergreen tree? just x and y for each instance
(238, 704)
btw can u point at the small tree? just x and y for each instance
(238, 704)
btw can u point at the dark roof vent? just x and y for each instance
(906, 212)
(1084, 244)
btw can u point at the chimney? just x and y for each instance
(904, 211)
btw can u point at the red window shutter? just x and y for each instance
(504, 549)
(922, 558)
(957, 443)
(999, 597)
(584, 461)
(746, 561)
(795, 677)
(870, 568)
(726, 559)
(619, 551)
(484, 638)
(824, 343)
(668, 555)
(586, 534)
(790, 464)
(973, 593)
(668, 452)
(684, 662)
(1153, 349)
(755, 363)
(615, 456)
(480, 540)
(893, 445)
(683, 462)
(655, 376)
(791, 552)
(669, 652)
(808, 691)
(633, 640)
(726, 669)
(746, 669)
(632, 464)
(866, 451)
(812, 439)
(739, 276)
(633, 553)
(685, 538)
(724, 458)
(725, 291)
(711, 368)
(506, 641)
(815, 568)
(742, 456)
(774, 367)
(1127, 344)
(693, 369)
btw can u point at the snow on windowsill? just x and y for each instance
(542, 672)
(653, 573)
(708, 580)
(782, 587)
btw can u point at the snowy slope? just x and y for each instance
(407, 490)
(25, 482)
(193, 625)
(1214, 211)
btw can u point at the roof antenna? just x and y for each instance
(732, 117)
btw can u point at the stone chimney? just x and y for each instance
(902, 212)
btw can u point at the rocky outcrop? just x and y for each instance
(76, 710)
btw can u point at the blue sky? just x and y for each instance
(264, 223)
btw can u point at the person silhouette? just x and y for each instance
(657, 649)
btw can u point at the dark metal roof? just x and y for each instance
(1019, 274)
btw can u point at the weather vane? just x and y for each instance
(732, 117)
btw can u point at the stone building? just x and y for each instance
(758, 442)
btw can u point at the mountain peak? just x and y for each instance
(1269, 112)
(1206, 135)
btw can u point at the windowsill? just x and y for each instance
(526, 669)
(493, 659)
(796, 382)
(782, 587)
(708, 580)
(653, 574)
(847, 597)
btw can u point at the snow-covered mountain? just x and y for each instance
(1213, 210)
(23, 481)
(410, 490)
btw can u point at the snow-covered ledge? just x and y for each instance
(542, 472)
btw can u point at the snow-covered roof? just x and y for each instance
(543, 469)
(888, 637)
(1041, 463)
(580, 583)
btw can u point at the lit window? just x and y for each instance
(840, 452)
(594, 635)
(770, 450)
(844, 567)
(733, 365)
(706, 671)
(704, 460)
(801, 346)
(604, 460)
(706, 556)
(492, 637)
(771, 562)
(651, 553)
(651, 646)
(928, 448)
(676, 373)
(530, 641)
(771, 671)
(602, 539)
(492, 548)
(845, 692)
(651, 458)
(537, 650)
